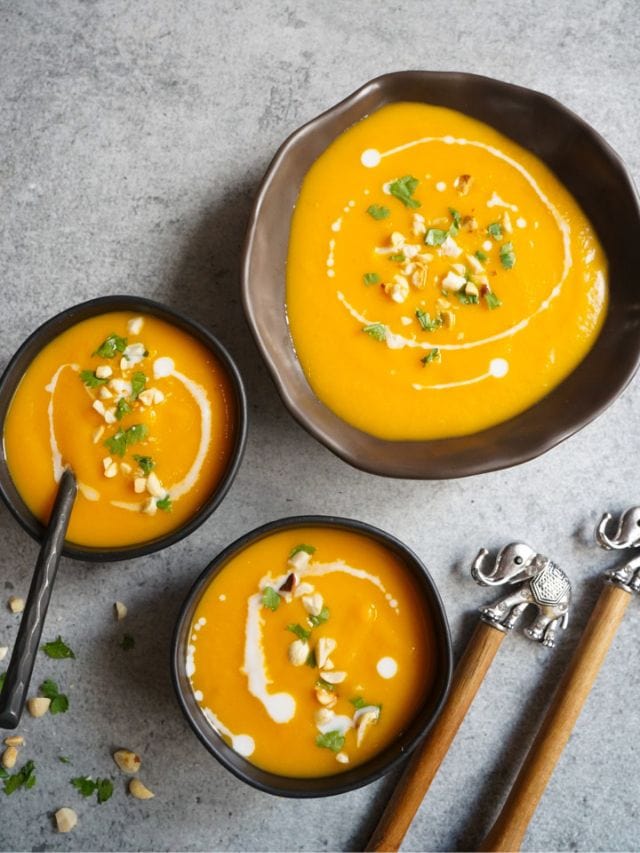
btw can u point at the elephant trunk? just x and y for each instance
(621, 538)
(477, 570)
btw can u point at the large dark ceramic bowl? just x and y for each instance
(588, 167)
(286, 786)
(50, 330)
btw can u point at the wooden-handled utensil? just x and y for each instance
(23, 657)
(544, 585)
(511, 825)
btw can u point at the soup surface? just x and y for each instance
(311, 651)
(141, 411)
(440, 279)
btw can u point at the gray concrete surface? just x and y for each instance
(132, 138)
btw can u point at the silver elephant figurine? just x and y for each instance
(543, 584)
(626, 536)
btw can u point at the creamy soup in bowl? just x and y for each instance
(311, 654)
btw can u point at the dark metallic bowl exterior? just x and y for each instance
(585, 164)
(287, 786)
(45, 334)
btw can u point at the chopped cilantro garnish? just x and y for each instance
(24, 778)
(64, 760)
(138, 381)
(455, 215)
(321, 618)
(103, 788)
(299, 631)
(127, 642)
(377, 331)
(311, 660)
(165, 503)
(123, 438)
(308, 549)
(507, 256)
(331, 740)
(492, 300)
(378, 211)
(84, 784)
(358, 702)
(432, 355)
(110, 346)
(122, 408)
(59, 702)
(398, 258)
(481, 256)
(90, 379)
(495, 230)
(146, 463)
(403, 189)
(57, 649)
(270, 598)
(435, 237)
(429, 325)
(325, 685)
(467, 298)
(371, 278)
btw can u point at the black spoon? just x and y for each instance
(23, 657)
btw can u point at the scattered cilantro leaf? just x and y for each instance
(493, 301)
(321, 618)
(64, 760)
(495, 230)
(24, 778)
(403, 189)
(371, 278)
(110, 346)
(377, 331)
(270, 598)
(467, 298)
(85, 785)
(3, 773)
(331, 740)
(57, 649)
(104, 790)
(90, 379)
(138, 382)
(325, 685)
(398, 258)
(378, 211)
(358, 702)
(311, 660)
(432, 355)
(300, 632)
(59, 701)
(127, 642)
(117, 444)
(308, 549)
(481, 256)
(146, 463)
(122, 408)
(507, 256)
(429, 325)
(165, 503)
(435, 237)
(455, 215)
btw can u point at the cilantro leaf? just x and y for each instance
(117, 444)
(57, 649)
(311, 660)
(146, 463)
(495, 230)
(90, 379)
(64, 760)
(426, 322)
(321, 618)
(122, 408)
(455, 215)
(481, 256)
(507, 256)
(111, 345)
(299, 631)
(435, 237)
(467, 298)
(59, 702)
(371, 278)
(308, 549)
(165, 503)
(432, 355)
(492, 300)
(358, 702)
(270, 598)
(85, 785)
(331, 740)
(403, 189)
(378, 211)
(398, 258)
(24, 778)
(325, 685)
(127, 642)
(138, 382)
(104, 790)
(377, 331)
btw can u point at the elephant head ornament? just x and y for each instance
(626, 536)
(542, 583)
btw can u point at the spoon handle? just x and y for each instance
(422, 768)
(16, 684)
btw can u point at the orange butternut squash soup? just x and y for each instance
(139, 409)
(311, 650)
(440, 279)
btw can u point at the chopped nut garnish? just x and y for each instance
(298, 652)
(103, 371)
(450, 248)
(448, 319)
(66, 819)
(38, 706)
(120, 610)
(471, 289)
(342, 758)
(154, 486)
(14, 740)
(97, 434)
(323, 715)
(364, 723)
(110, 416)
(300, 561)
(335, 677)
(111, 471)
(146, 397)
(99, 407)
(506, 222)
(9, 757)
(140, 485)
(127, 761)
(134, 326)
(419, 278)
(397, 240)
(470, 224)
(16, 605)
(139, 791)
(125, 468)
(326, 697)
(475, 264)
(398, 289)
(324, 647)
(453, 281)
(105, 394)
(442, 304)
(463, 184)
(313, 603)
(107, 462)
(418, 228)
(460, 269)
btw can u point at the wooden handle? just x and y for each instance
(421, 770)
(510, 827)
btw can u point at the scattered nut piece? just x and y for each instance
(106, 462)
(470, 223)
(298, 652)
(471, 289)
(97, 434)
(448, 319)
(313, 603)
(16, 605)
(158, 396)
(127, 761)
(506, 222)
(463, 184)
(475, 264)
(140, 791)
(99, 407)
(342, 758)
(419, 278)
(335, 677)
(14, 740)
(140, 485)
(459, 269)
(125, 468)
(323, 716)
(124, 364)
(299, 561)
(105, 394)
(453, 281)
(111, 471)
(418, 228)
(38, 706)
(329, 664)
(120, 610)
(398, 289)
(326, 697)
(66, 819)
(154, 486)
(110, 416)
(397, 240)
(443, 304)
(3, 652)
(146, 397)
(450, 248)
(103, 371)
(134, 326)
(9, 758)
(364, 723)
(324, 647)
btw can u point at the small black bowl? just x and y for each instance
(45, 334)
(383, 762)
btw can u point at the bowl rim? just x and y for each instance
(329, 436)
(48, 331)
(381, 763)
